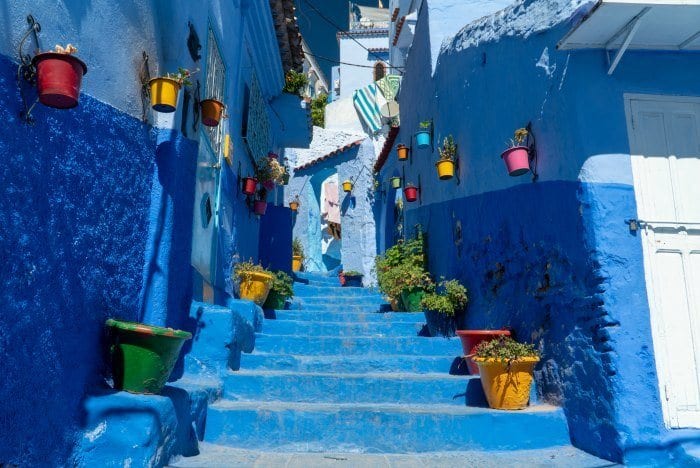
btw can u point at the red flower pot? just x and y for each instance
(272, 155)
(249, 184)
(58, 79)
(470, 340)
(259, 207)
(411, 193)
(269, 185)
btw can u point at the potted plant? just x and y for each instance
(440, 307)
(294, 204)
(423, 136)
(471, 339)
(260, 203)
(143, 356)
(269, 172)
(353, 279)
(297, 255)
(164, 90)
(506, 369)
(249, 185)
(402, 152)
(280, 291)
(517, 157)
(410, 191)
(396, 182)
(415, 282)
(446, 164)
(388, 267)
(58, 77)
(347, 186)
(212, 112)
(253, 281)
(295, 82)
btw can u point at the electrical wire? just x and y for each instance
(338, 61)
(342, 31)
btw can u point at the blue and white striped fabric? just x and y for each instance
(367, 103)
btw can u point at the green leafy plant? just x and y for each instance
(182, 76)
(450, 298)
(297, 248)
(352, 273)
(403, 267)
(425, 124)
(244, 270)
(282, 284)
(519, 137)
(318, 110)
(448, 150)
(505, 349)
(295, 82)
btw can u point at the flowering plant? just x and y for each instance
(182, 76)
(448, 150)
(269, 169)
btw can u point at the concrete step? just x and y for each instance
(377, 428)
(335, 301)
(352, 316)
(316, 279)
(221, 456)
(408, 388)
(310, 328)
(329, 345)
(351, 364)
(306, 290)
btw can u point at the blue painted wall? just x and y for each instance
(552, 259)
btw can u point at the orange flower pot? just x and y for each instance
(402, 152)
(507, 385)
(212, 110)
(294, 206)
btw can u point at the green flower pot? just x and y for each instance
(410, 298)
(274, 301)
(143, 356)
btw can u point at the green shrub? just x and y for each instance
(282, 284)
(352, 273)
(318, 110)
(403, 258)
(505, 349)
(243, 270)
(450, 299)
(295, 82)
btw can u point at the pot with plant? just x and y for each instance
(280, 291)
(402, 152)
(410, 191)
(442, 306)
(347, 186)
(506, 369)
(415, 283)
(294, 204)
(58, 77)
(269, 172)
(164, 90)
(424, 134)
(249, 185)
(517, 157)
(253, 281)
(295, 82)
(297, 255)
(353, 279)
(260, 203)
(212, 112)
(396, 182)
(388, 267)
(471, 339)
(448, 154)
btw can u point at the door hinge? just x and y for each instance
(666, 392)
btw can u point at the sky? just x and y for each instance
(318, 33)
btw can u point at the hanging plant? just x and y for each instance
(423, 136)
(517, 157)
(294, 204)
(249, 185)
(410, 192)
(446, 164)
(270, 172)
(212, 112)
(395, 182)
(402, 152)
(58, 77)
(295, 82)
(165, 89)
(347, 186)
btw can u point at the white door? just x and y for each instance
(205, 221)
(665, 145)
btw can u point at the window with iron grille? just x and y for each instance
(214, 86)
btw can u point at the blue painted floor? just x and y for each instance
(336, 381)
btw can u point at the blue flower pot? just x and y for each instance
(423, 138)
(353, 281)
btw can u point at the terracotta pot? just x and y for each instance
(402, 152)
(212, 110)
(249, 185)
(411, 193)
(470, 340)
(58, 79)
(294, 206)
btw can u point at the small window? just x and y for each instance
(215, 86)
(379, 71)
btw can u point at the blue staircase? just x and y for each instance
(335, 375)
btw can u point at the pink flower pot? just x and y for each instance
(471, 339)
(517, 160)
(269, 185)
(259, 207)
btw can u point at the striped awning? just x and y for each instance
(367, 102)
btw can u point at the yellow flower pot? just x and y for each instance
(296, 262)
(294, 206)
(347, 186)
(164, 93)
(507, 386)
(255, 287)
(445, 168)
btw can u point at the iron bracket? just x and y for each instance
(26, 71)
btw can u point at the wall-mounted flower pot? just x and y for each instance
(411, 299)
(58, 79)
(259, 207)
(296, 262)
(249, 185)
(164, 93)
(255, 287)
(411, 193)
(285, 178)
(517, 160)
(354, 281)
(294, 206)
(272, 155)
(269, 184)
(347, 186)
(402, 152)
(396, 182)
(445, 169)
(275, 301)
(507, 384)
(439, 324)
(143, 356)
(212, 110)
(470, 340)
(423, 138)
